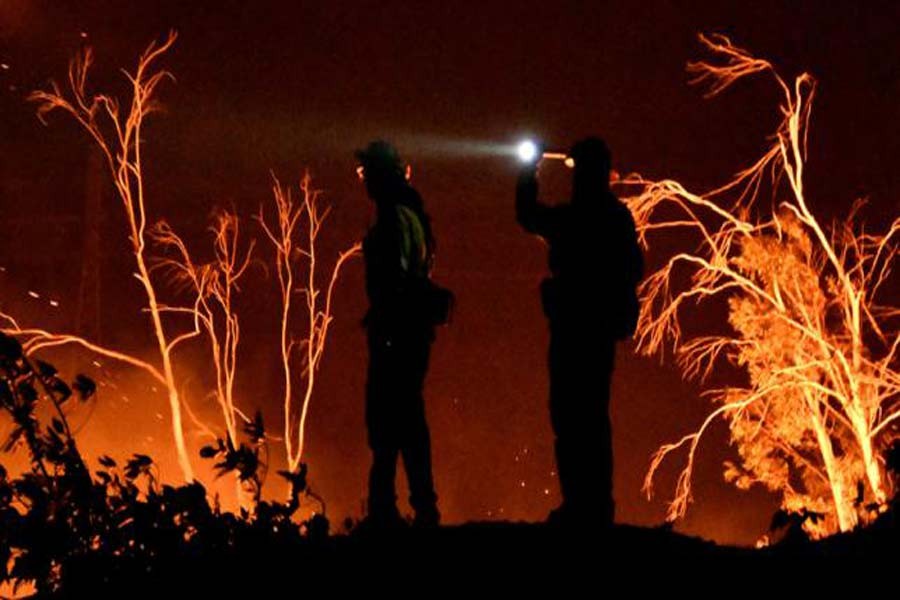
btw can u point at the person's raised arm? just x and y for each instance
(533, 216)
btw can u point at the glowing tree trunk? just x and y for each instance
(212, 311)
(213, 286)
(119, 138)
(808, 327)
(294, 240)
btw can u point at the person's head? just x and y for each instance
(381, 169)
(592, 166)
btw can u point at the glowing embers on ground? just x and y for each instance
(808, 326)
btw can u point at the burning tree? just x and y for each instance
(117, 133)
(295, 258)
(212, 286)
(808, 325)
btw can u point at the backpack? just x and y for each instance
(433, 303)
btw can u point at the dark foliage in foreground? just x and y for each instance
(120, 533)
(65, 528)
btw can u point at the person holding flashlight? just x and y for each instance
(591, 303)
(400, 323)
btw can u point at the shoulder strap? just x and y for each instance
(415, 249)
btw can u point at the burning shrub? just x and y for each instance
(811, 326)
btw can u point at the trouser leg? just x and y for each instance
(395, 414)
(382, 432)
(382, 495)
(416, 452)
(416, 439)
(580, 374)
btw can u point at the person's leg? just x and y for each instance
(417, 462)
(382, 431)
(562, 394)
(382, 504)
(580, 373)
(603, 493)
(415, 439)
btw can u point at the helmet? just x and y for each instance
(591, 152)
(380, 157)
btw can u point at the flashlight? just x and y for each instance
(528, 151)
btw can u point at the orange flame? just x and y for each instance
(802, 301)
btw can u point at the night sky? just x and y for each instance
(286, 86)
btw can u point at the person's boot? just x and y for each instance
(596, 518)
(381, 521)
(427, 518)
(561, 517)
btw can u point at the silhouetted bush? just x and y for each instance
(64, 528)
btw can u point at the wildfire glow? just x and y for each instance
(213, 286)
(210, 287)
(808, 326)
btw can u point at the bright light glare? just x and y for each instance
(527, 151)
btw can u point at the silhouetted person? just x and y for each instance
(398, 252)
(590, 302)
